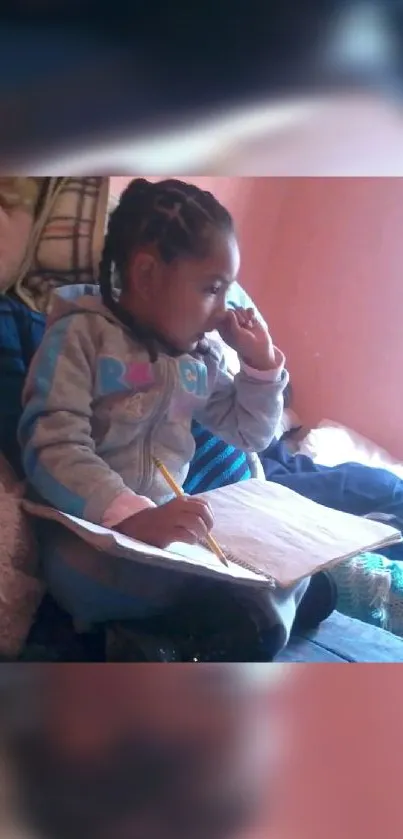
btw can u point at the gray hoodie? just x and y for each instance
(96, 411)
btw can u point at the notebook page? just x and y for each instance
(282, 534)
(190, 558)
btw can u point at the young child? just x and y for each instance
(117, 381)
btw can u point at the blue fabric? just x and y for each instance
(21, 331)
(343, 639)
(214, 464)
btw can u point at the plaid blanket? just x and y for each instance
(67, 239)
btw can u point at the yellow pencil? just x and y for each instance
(213, 545)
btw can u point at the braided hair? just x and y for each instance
(174, 216)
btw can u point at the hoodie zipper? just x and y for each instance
(148, 467)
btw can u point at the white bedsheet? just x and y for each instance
(331, 444)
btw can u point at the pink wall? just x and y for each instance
(334, 297)
(343, 778)
(323, 259)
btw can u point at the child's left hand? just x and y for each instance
(242, 331)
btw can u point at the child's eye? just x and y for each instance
(213, 289)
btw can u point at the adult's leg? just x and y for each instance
(349, 487)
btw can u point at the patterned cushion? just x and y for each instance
(370, 588)
(67, 240)
(215, 463)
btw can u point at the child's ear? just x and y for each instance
(144, 271)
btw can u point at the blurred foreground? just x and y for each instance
(296, 88)
(210, 751)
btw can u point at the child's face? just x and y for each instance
(184, 300)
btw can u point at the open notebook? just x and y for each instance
(270, 535)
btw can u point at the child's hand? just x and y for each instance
(242, 331)
(181, 520)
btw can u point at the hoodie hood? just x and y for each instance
(87, 299)
(71, 299)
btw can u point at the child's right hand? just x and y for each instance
(185, 519)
